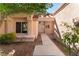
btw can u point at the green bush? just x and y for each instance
(70, 38)
(7, 38)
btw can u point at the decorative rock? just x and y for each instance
(11, 53)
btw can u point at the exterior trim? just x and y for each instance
(61, 8)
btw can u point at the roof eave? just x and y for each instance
(61, 8)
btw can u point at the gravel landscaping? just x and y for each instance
(21, 48)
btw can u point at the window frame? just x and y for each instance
(21, 28)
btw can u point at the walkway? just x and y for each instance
(48, 48)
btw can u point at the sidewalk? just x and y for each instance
(48, 48)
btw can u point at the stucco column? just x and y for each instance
(31, 24)
(5, 25)
(34, 27)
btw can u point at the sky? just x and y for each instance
(54, 7)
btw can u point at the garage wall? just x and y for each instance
(66, 15)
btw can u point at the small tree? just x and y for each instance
(29, 8)
(71, 37)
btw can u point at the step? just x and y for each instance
(24, 39)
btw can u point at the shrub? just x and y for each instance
(7, 38)
(71, 37)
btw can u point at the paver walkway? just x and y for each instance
(48, 48)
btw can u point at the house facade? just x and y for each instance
(46, 24)
(26, 26)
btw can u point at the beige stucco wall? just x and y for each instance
(44, 23)
(35, 28)
(2, 28)
(66, 15)
(11, 25)
(49, 29)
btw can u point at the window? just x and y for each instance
(21, 27)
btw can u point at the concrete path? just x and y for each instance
(46, 40)
(48, 48)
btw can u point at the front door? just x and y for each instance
(46, 27)
(41, 27)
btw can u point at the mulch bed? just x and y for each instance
(21, 48)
